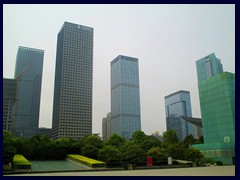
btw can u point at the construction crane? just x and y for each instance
(18, 79)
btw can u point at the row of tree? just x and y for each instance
(115, 149)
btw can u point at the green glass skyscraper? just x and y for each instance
(217, 102)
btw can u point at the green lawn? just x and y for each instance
(54, 165)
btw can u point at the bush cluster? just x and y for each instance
(20, 162)
(87, 161)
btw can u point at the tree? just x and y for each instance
(193, 154)
(109, 154)
(138, 137)
(189, 140)
(176, 151)
(90, 151)
(200, 140)
(116, 141)
(157, 153)
(8, 150)
(133, 153)
(170, 137)
(150, 142)
(20, 143)
(94, 140)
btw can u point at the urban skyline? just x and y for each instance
(167, 53)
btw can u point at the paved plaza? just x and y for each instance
(193, 171)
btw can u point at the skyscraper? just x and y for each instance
(217, 102)
(72, 106)
(179, 104)
(125, 96)
(9, 98)
(208, 66)
(106, 125)
(28, 74)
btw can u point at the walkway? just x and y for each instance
(194, 171)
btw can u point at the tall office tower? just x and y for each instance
(72, 105)
(104, 129)
(28, 74)
(208, 66)
(217, 102)
(9, 97)
(179, 104)
(125, 96)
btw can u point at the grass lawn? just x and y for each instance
(54, 165)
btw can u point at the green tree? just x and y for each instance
(200, 140)
(157, 153)
(8, 150)
(150, 142)
(116, 141)
(90, 151)
(20, 144)
(94, 140)
(138, 137)
(132, 153)
(57, 150)
(206, 160)
(193, 154)
(109, 154)
(176, 151)
(170, 137)
(189, 140)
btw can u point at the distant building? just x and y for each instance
(197, 125)
(28, 74)
(9, 98)
(125, 96)
(157, 135)
(43, 131)
(106, 127)
(72, 104)
(217, 102)
(208, 67)
(179, 104)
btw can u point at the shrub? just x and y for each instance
(20, 162)
(206, 160)
(219, 163)
(87, 161)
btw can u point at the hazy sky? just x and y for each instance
(167, 40)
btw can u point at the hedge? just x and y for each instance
(20, 162)
(87, 161)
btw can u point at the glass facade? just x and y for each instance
(72, 104)
(106, 127)
(217, 102)
(28, 73)
(176, 105)
(9, 97)
(125, 96)
(208, 66)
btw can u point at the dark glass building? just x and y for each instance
(72, 104)
(9, 97)
(28, 74)
(125, 96)
(179, 104)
